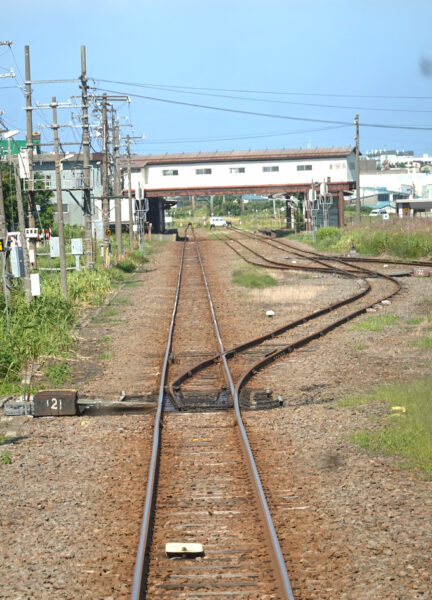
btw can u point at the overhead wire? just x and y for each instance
(239, 137)
(267, 115)
(272, 100)
(279, 93)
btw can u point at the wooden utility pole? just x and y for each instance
(117, 186)
(3, 230)
(29, 147)
(21, 227)
(3, 236)
(357, 156)
(86, 161)
(105, 190)
(129, 171)
(63, 274)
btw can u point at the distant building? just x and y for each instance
(390, 158)
(250, 173)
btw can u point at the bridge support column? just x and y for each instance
(341, 208)
(306, 205)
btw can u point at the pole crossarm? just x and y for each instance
(50, 106)
(10, 74)
(39, 81)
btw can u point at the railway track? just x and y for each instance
(372, 288)
(203, 487)
(203, 482)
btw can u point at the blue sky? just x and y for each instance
(346, 56)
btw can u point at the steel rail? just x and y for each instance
(415, 263)
(145, 533)
(273, 542)
(175, 384)
(260, 364)
(279, 265)
(318, 257)
(370, 259)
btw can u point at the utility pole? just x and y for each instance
(105, 191)
(357, 155)
(129, 171)
(3, 236)
(3, 230)
(21, 227)
(117, 191)
(63, 275)
(29, 147)
(86, 161)
(193, 206)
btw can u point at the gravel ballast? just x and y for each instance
(352, 525)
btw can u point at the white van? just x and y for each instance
(377, 212)
(217, 222)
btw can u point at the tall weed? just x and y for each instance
(405, 239)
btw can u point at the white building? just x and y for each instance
(262, 168)
(285, 172)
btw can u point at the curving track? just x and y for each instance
(203, 490)
(311, 326)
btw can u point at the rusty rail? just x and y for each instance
(175, 384)
(272, 540)
(338, 257)
(145, 535)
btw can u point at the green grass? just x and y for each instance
(57, 373)
(360, 346)
(44, 327)
(404, 434)
(375, 323)
(425, 342)
(120, 301)
(249, 278)
(110, 312)
(374, 239)
(105, 355)
(5, 457)
(415, 320)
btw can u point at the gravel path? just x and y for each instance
(359, 526)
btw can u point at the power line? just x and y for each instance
(238, 137)
(173, 89)
(183, 87)
(268, 115)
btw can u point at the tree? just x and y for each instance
(42, 199)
